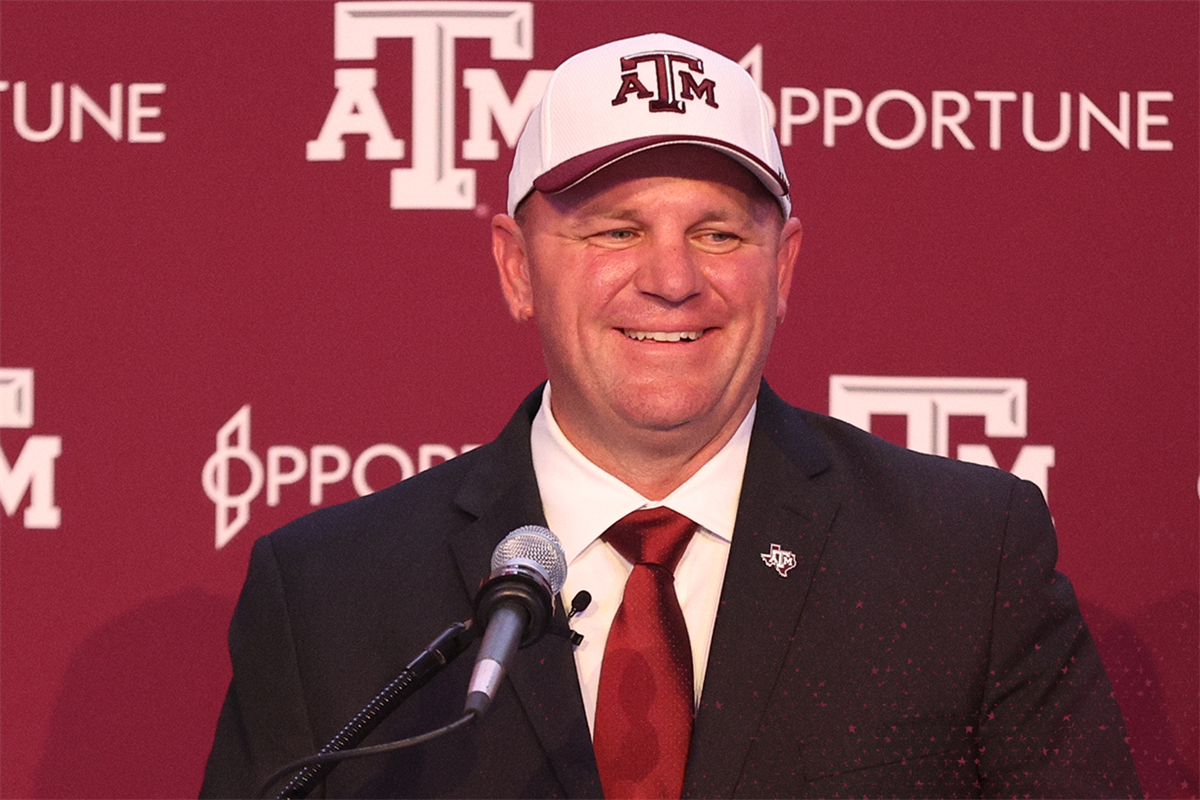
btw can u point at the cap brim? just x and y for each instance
(577, 169)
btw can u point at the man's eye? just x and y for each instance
(719, 240)
(615, 236)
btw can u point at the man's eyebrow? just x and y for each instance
(584, 216)
(724, 216)
(634, 215)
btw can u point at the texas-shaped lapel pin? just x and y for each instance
(782, 560)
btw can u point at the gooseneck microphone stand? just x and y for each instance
(444, 649)
(513, 605)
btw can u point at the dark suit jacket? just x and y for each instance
(922, 646)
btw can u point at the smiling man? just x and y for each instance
(785, 606)
(656, 285)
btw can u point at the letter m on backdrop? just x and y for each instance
(32, 473)
(928, 403)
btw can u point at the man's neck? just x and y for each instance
(653, 463)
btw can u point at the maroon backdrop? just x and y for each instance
(207, 325)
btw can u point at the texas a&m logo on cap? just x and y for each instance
(675, 77)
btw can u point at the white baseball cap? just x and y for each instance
(631, 95)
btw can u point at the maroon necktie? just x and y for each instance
(644, 707)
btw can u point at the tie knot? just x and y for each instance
(651, 536)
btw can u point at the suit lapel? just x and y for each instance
(781, 505)
(501, 492)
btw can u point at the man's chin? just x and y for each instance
(663, 410)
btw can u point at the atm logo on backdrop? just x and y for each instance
(32, 473)
(433, 181)
(894, 118)
(927, 404)
(235, 475)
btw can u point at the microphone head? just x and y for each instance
(535, 546)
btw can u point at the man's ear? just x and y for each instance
(785, 260)
(512, 261)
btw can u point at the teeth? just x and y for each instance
(663, 336)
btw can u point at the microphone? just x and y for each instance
(580, 603)
(514, 605)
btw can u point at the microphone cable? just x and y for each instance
(440, 652)
(357, 752)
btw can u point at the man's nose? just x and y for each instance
(669, 270)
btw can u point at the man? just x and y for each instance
(843, 617)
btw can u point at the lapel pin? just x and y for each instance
(782, 560)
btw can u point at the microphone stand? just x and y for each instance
(444, 649)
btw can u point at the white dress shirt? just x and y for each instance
(582, 501)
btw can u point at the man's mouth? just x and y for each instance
(663, 336)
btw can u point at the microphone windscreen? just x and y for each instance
(538, 545)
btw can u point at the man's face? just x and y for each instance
(656, 286)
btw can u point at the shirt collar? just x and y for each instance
(581, 500)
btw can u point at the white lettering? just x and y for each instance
(1064, 123)
(426, 454)
(325, 465)
(948, 110)
(119, 113)
(919, 119)
(21, 117)
(1146, 120)
(319, 477)
(376, 451)
(952, 122)
(355, 109)
(834, 120)
(928, 404)
(994, 101)
(788, 118)
(433, 181)
(489, 101)
(33, 473)
(16, 397)
(139, 112)
(1089, 111)
(110, 121)
(276, 477)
